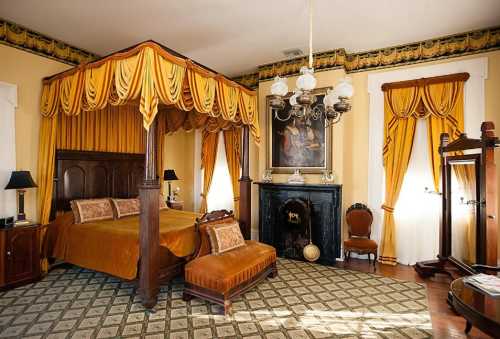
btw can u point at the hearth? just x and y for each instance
(285, 210)
(293, 235)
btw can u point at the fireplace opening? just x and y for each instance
(293, 233)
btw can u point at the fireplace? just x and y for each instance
(293, 235)
(284, 214)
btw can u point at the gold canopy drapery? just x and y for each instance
(151, 75)
(147, 75)
(442, 105)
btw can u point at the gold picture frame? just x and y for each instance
(311, 150)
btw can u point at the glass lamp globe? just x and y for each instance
(279, 86)
(331, 98)
(306, 81)
(345, 88)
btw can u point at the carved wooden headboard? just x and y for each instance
(86, 175)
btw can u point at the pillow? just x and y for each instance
(92, 210)
(74, 209)
(124, 207)
(225, 237)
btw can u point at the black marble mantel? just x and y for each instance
(326, 211)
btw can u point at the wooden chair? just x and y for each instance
(359, 220)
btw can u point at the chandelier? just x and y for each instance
(303, 100)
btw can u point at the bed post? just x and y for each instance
(149, 232)
(245, 188)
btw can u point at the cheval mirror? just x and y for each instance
(468, 232)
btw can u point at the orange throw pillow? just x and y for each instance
(225, 237)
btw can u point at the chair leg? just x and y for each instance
(374, 261)
(369, 258)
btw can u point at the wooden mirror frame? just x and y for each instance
(486, 191)
(445, 243)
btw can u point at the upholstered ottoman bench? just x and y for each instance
(219, 278)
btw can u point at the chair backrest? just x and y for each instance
(359, 220)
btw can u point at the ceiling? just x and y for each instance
(234, 36)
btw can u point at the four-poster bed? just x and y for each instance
(171, 92)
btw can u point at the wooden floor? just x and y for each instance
(445, 323)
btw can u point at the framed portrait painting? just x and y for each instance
(296, 143)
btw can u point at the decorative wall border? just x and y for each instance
(23, 38)
(451, 46)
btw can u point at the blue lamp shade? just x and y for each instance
(20, 180)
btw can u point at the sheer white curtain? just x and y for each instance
(220, 195)
(417, 213)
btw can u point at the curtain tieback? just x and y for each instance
(203, 195)
(236, 199)
(388, 208)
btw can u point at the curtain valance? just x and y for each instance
(150, 75)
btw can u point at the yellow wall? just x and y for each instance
(179, 155)
(350, 136)
(350, 143)
(26, 70)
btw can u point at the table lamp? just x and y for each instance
(20, 180)
(169, 176)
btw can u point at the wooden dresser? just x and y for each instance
(19, 255)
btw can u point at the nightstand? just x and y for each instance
(19, 255)
(176, 205)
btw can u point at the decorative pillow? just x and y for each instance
(225, 237)
(92, 210)
(74, 209)
(124, 207)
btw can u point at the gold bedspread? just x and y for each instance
(112, 246)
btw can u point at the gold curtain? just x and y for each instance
(202, 85)
(112, 129)
(208, 156)
(399, 104)
(149, 74)
(227, 99)
(46, 155)
(232, 140)
(444, 103)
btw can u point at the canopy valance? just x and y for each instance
(151, 75)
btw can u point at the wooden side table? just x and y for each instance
(478, 309)
(176, 205)
(19, 255)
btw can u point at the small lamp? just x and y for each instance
(20, 180)
(169, 176)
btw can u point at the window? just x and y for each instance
(220, 195)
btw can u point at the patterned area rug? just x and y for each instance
(304, 301)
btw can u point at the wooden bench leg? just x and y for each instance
(186, 296)
(274, 272)
(228, 307)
